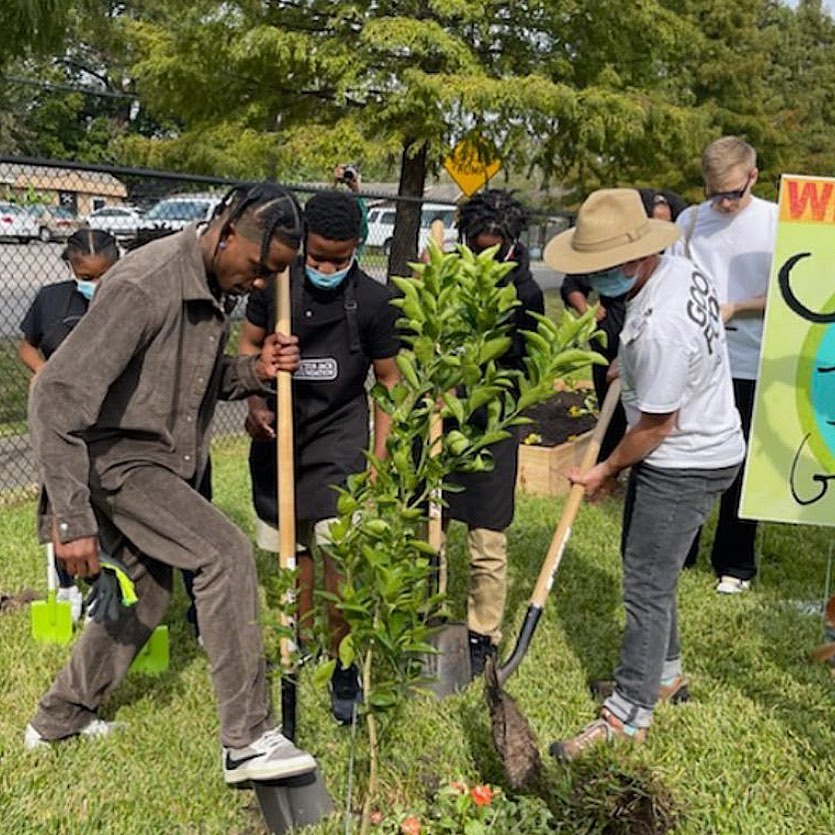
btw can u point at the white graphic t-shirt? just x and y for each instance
(673, 358)
(735, 251)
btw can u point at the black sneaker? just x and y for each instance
(346, 694)
(480, 647)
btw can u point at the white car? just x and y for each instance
(381, 225)
(120, 221)
(174, 213)
(16, 223)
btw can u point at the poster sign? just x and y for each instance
(790, 471)
(468, 167)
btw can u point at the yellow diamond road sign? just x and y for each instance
(470, 171)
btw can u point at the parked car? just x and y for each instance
(174, 213)
(381, 225)
(123, 222)
(16, 223)
(55, 223)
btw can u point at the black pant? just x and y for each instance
(733, 544)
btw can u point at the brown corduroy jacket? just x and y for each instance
(135, 383)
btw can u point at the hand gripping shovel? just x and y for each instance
(298, 801)
(512, 735)
(51, 620)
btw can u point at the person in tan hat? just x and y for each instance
(683, 442)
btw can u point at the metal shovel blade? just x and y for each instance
(51, 620)
(287, 805)
(154, 656)
(448, 668)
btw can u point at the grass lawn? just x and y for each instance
(753, 752)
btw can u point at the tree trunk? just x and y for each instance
(407, 219)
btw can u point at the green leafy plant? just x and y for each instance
(455, 322)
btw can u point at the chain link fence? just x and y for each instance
(43, 202)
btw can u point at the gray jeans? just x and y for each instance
(662, 511)
(157, 513)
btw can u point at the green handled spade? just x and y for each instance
(51, 619)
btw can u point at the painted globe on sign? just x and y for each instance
(815, 389)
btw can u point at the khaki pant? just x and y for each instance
(309, 535)
(154, 522)
(488, 582)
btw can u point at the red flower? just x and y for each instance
(410, 826)
(481, 795)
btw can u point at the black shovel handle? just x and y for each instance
(560, 538)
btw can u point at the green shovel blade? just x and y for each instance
(153, 657)
(51, 620)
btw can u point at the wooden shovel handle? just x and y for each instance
(575, 498)
(285, 452)
(435, 432)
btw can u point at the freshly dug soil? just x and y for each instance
(553, 421)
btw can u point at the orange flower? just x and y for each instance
(410, 826)
(481, 795)
(376, 817)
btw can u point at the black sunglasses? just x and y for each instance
(734, 196)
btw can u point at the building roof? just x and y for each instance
(22, 176)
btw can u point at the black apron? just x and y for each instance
(59, 329)
(330, 405)
(488, 498)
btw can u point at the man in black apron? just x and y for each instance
(486, 505)
(345, 326)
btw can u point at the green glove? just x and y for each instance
(110, 590)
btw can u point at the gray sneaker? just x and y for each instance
(271, 757)
(93, 729)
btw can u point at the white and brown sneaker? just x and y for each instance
(605, 729)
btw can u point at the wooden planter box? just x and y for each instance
(542, 469)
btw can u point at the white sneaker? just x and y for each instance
(732, 585)
(73, 596)
(95, 728)
(271, 757)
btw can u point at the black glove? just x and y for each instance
(110, 590)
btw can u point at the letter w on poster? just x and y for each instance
(790, 471)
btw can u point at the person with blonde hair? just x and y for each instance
(730, 236)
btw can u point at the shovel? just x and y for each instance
(51, 620)
(153, 658)
(298, 801)
(448, 667)
(512, 735)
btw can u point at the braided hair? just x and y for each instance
(261, 211)
(84, 242)
(494, 211)
(335, 215)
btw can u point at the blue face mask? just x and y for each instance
(612, 283)
(326, 281)
(86, 288)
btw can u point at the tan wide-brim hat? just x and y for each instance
(612, 228)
